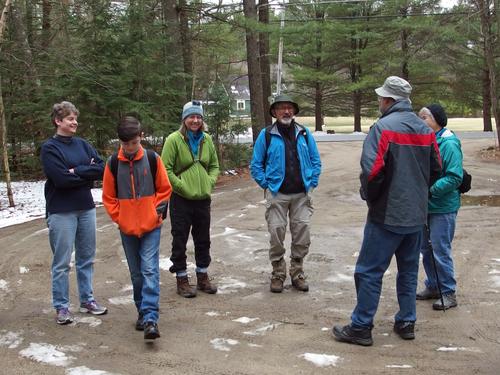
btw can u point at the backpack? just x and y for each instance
(466, 183)
(302, 131)
(113, 166)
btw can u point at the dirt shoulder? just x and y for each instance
(244, 329)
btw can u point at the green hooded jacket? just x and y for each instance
(445, 197)
(190, 177)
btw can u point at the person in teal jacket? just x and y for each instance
(444, 202)
(192, 166)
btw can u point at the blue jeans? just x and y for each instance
(442, 230)
(143, 258)
(68, 229)
(379, 246)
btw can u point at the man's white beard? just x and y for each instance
(286, 121)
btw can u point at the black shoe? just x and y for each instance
(151, 331)
(405, 330)
(359, 336)
(427, 294)
(449, 299)
(139, 324)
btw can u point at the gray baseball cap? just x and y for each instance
(394, 87)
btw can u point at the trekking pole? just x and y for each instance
(429, 243)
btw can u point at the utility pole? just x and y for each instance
(280, 54)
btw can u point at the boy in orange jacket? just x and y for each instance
(136, 191)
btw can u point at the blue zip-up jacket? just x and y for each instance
(268, 165)
(65, 191)
(445, 197)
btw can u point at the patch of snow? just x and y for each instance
(212, 313)
(230, 285)
(165, 264)
(227, 232)
(91, 321)
(321, 360)
(122, 300)
(398, 366)
(82, 370)
(496, 281)
(24, 269)
(457, 349)
(254, 345)
(244, 320)
(127, 288)
(46, 353)
(4, 285)
(223, 344)
(10, 339)
(324, 329)
(29, 202)
(262, 329)
(339, 278)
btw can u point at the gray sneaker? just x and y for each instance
(92, 307)
(64, 316)
(449, 299)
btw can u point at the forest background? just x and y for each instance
(148, 57)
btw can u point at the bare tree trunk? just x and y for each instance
(174, 49)
(187, 56)
(486, 29)
(254, 75)
(46, 24)
(318, 107)
(487, 126)
(405, 72)
(3, 125)
(318, 95)
(265, 66)
(356, 101)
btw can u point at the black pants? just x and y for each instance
(189, 215)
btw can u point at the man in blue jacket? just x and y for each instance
(286, 164)
(400, 160)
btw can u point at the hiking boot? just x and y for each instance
(203, 283)
(358, 336)
(183, 288)
(92, 307)
(427, 294)
(139, 324)
(64, 316)
(300, 283)
(151, 331)
(449, 299)
(405, 330)
(276, 284)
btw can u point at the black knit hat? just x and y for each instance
(438, 113)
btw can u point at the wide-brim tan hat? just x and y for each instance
(394, 87)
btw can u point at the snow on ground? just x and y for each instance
(29, 202)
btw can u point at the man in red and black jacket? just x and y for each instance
(399, 162)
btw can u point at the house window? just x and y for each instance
(240, 105)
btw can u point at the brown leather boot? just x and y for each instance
(276, 284)
(299, 283)
(203, 283)
(183, 287)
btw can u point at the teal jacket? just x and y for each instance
(191, 177)
(445, 197)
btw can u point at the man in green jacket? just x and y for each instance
(191, 161)
(444, 203)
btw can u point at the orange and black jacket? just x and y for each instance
(135, 201)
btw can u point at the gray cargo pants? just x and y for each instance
(299, 208)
